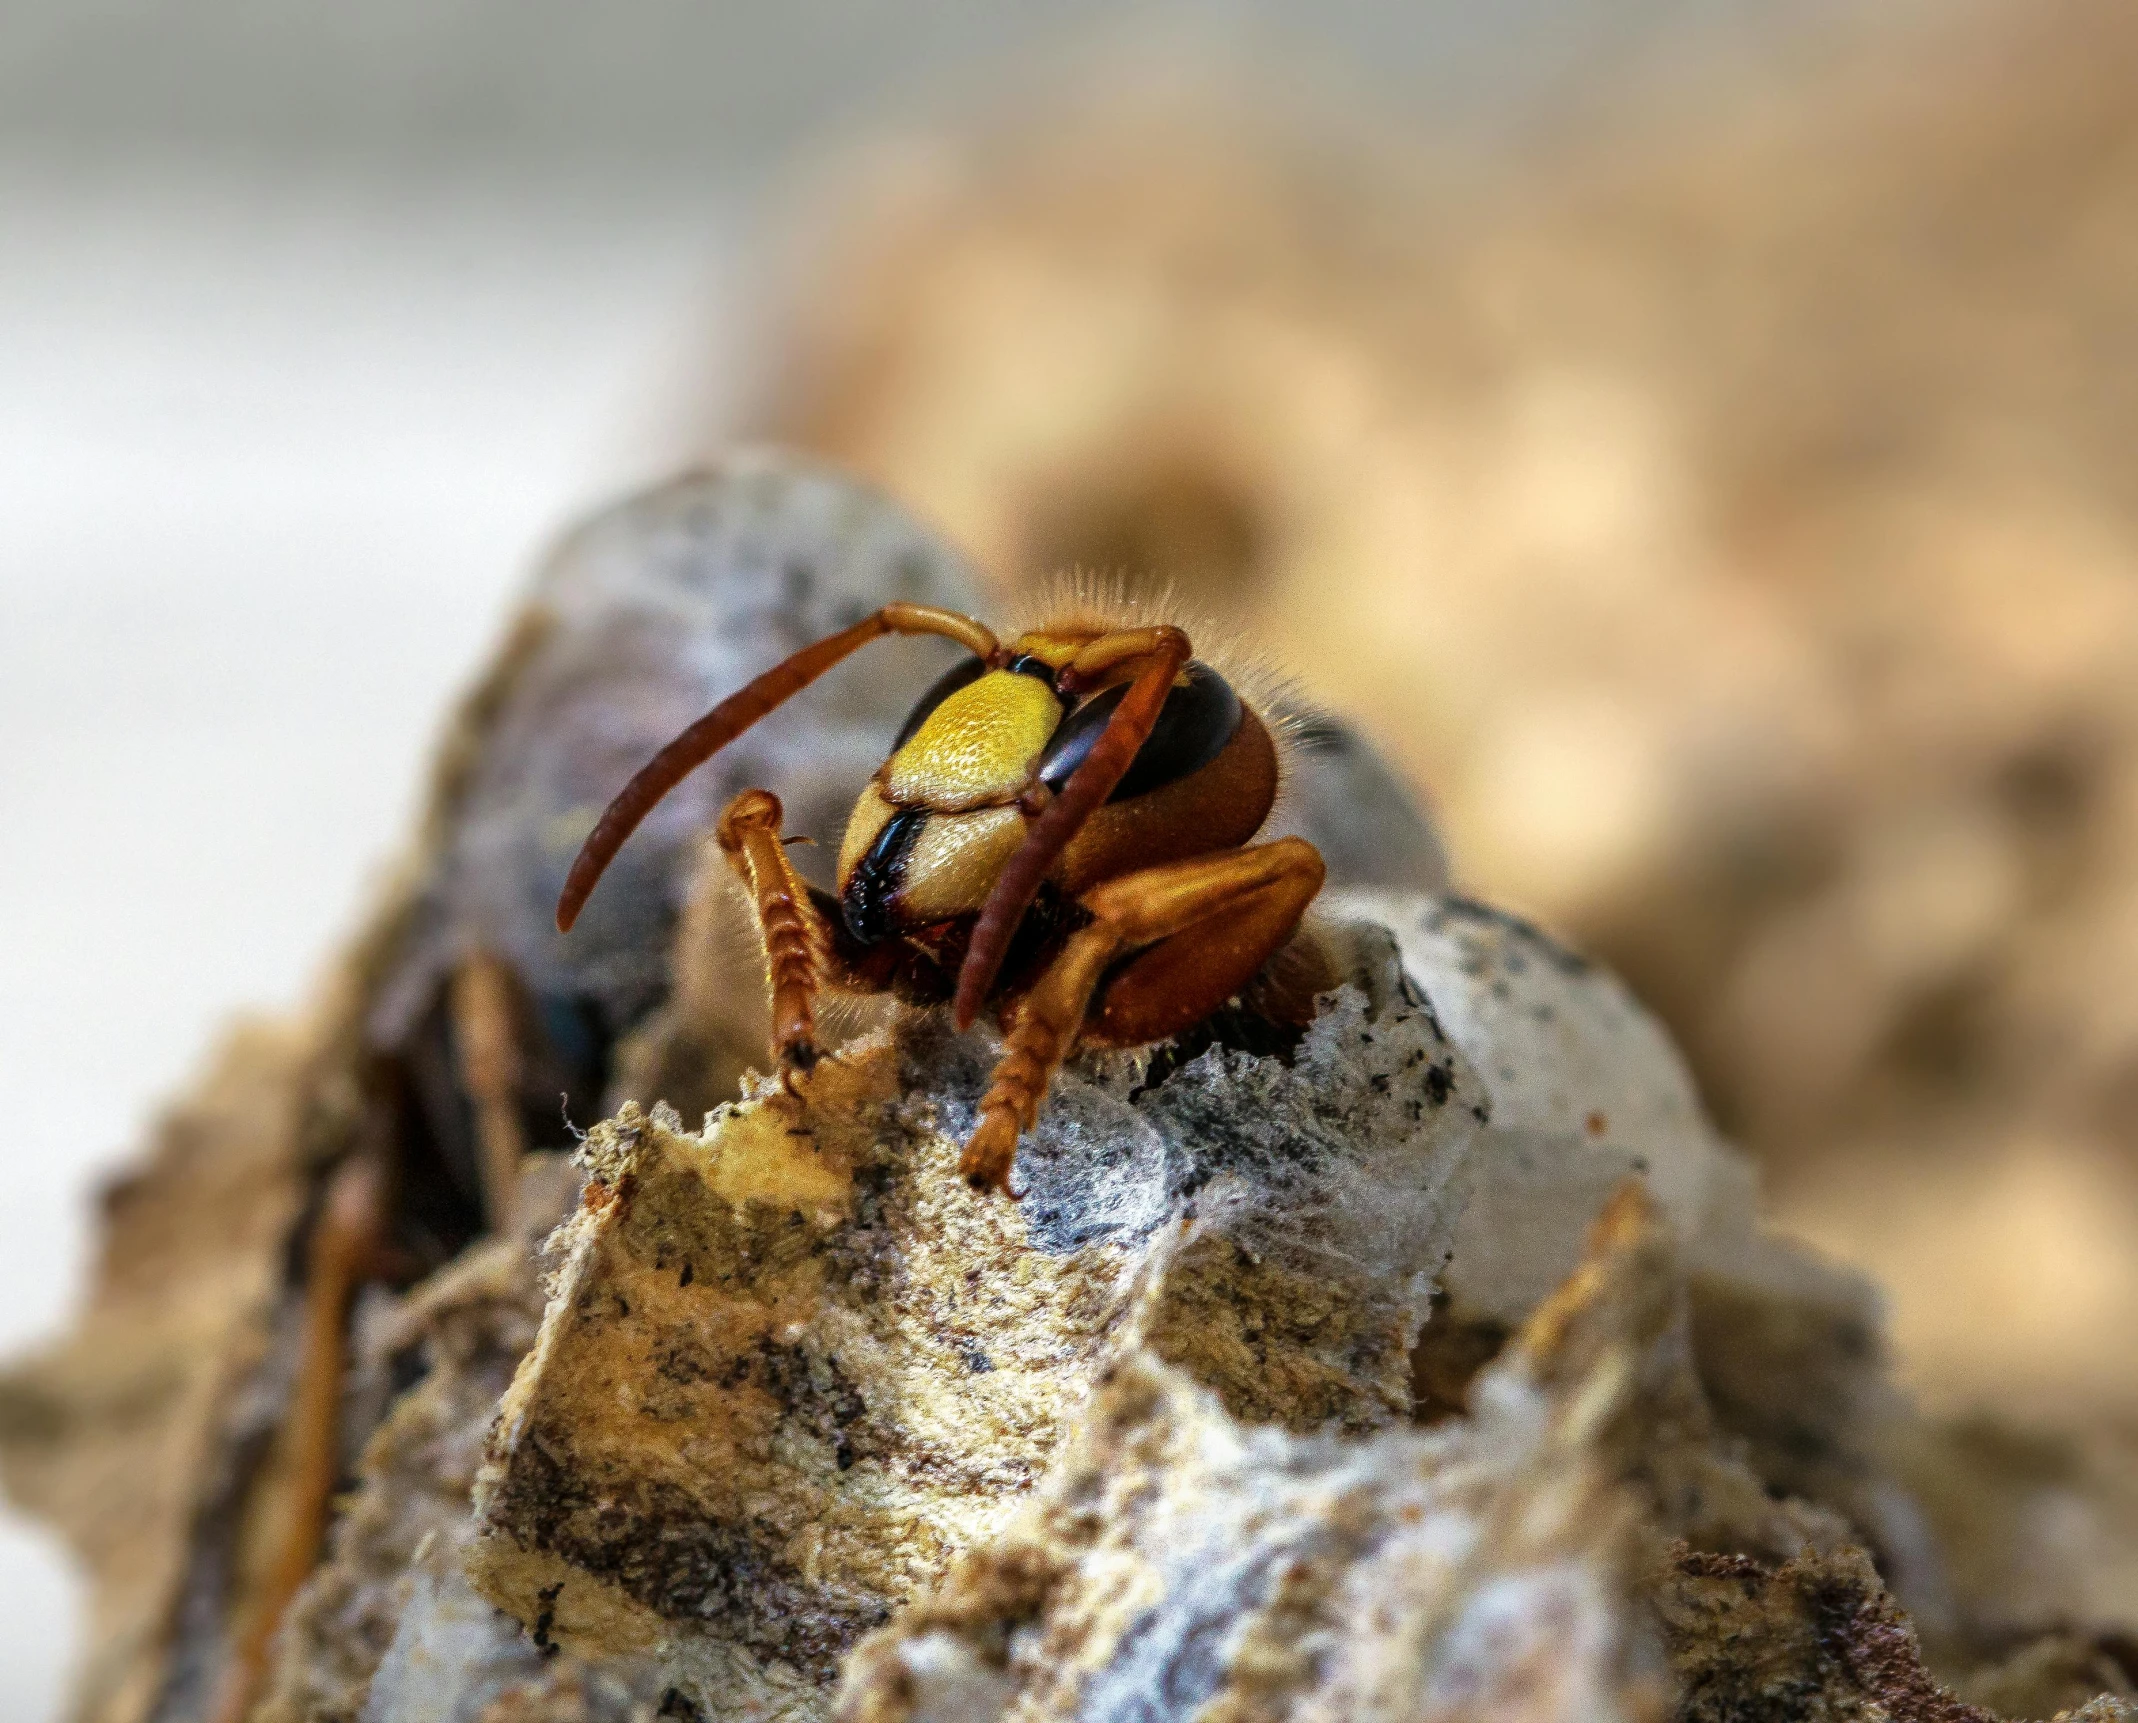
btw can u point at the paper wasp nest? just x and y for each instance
(1435, 1366)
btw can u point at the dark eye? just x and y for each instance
(1197, 720)
(945, 685)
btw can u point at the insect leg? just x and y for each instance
(487, 1035)
(1160, 652)
(1206, 926)
(345, 1242)
(796, 939)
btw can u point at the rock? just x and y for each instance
(1353, 806)
(1587, 1090)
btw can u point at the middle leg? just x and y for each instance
(1205, 927)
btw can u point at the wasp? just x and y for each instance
(1062, 833)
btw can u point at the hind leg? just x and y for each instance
(483, 999)
(1194, 933)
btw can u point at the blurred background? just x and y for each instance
(1694, 438)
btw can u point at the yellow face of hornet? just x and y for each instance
(980, 756)
(941, 820)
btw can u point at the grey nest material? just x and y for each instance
(1434, 1365)
(816, 1432)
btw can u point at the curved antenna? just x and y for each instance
(1165, 650)
(736, 714)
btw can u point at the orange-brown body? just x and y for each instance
(1062, 833)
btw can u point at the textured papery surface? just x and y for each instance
(1143, 1444)
(1177, 1560)
(388, 1630)
(1513, 1564)
(1586, 1088)
(1136, 1447)
(793, 1367)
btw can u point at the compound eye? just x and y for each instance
(957, 676)
(1199, 717)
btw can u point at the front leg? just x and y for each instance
(797, 944)
(1205, 927)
